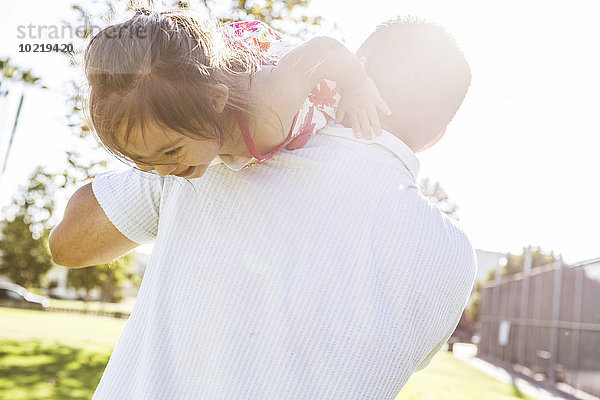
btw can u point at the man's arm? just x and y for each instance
(85, 236)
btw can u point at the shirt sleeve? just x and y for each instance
(131, 201)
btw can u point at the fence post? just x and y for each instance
(498, 350)
(524, 314)
(574, 361)
(536, 316)
(514, 317)
(555, 317)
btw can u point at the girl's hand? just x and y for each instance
(361, 106)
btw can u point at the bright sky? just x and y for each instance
(520, 159)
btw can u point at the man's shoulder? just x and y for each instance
(386, 148)
(432, 239)
(453, 241)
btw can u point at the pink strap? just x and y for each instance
(243, 123)
(305, 132)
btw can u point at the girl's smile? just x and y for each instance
(168, 152)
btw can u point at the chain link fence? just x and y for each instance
(547, 321)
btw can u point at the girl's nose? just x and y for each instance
(165, 169)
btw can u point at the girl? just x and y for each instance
(175, 97)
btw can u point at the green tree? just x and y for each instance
(25, 258)
(12, 73)
(288, 16)
(285, 15)
(516, 264)
(472, 311)
(107, 277)
(24, 254)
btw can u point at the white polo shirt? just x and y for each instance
(322, 273)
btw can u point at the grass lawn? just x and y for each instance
(86, 332)
(49, 355)
(447, 378)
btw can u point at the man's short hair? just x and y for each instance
(420, 73)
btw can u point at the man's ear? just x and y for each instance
(220, 94)
(434, 141)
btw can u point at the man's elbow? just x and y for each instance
(60, 253)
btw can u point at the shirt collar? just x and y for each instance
(387, 140)
(234, 163)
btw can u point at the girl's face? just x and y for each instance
(169, 152)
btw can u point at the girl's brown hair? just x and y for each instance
(160, 67)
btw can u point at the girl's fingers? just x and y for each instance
(355, 125)
(365, 126)
(382, 105)
(379, 103)
(339, 115)
(374, 118)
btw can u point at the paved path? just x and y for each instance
(539, 390)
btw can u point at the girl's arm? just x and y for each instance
(302, 68)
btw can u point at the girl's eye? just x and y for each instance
(172, 152)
